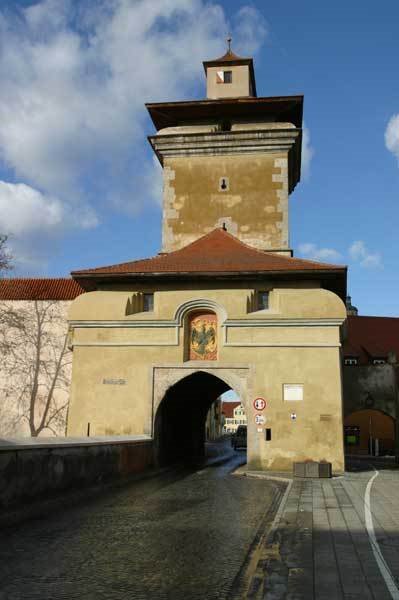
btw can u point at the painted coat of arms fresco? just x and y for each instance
(203, 337)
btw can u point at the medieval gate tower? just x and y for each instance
(224, 304)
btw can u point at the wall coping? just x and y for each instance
(29, 443)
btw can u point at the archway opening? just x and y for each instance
(182, 421)
(369, 431)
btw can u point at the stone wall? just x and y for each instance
(29, 473)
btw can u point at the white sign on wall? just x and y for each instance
(292, 392)
(260, 419)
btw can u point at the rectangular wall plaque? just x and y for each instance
(292, 392)
(114, 381)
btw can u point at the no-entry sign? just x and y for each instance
(259, 404)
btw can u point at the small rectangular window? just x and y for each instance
(379, 361)
(228, 76)
(148, 302)
(224, 76)
(263, 300)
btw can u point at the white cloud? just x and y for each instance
(312, 252)
(307, 152)
(392, 136)
(359, 253)
(24, 210)
(250, 30)
(32, 218)
(74, 80)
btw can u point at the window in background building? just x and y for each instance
(350, 361)
(352, 435)
(379, 361)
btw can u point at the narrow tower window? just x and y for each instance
(224, 184)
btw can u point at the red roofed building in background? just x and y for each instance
(370, 381)
(234, 415)
(35, 366)
(62, 289)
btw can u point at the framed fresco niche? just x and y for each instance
(201, 341)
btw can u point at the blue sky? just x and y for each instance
(78, 184)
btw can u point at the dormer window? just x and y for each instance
(148, 302)
(224, 77)
(263, 300)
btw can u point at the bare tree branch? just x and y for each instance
(35, 366)
(5, 256)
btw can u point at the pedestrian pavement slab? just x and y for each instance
(321, 543)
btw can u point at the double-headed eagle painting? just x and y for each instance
(203, 337)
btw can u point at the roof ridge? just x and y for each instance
(261, 252)
(217, 233)
(69, 278)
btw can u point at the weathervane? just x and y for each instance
(229, 44)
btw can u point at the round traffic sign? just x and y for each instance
(259, 404)
(260, 419)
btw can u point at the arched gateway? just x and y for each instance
(225, 304)
(180, 414)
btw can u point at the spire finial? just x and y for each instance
(229, 44)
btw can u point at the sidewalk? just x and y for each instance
(322, 547)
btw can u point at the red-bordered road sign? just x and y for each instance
(259, 404)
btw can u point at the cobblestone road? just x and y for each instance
(184, 534)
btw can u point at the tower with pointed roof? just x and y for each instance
(224, 305)
(229, 161)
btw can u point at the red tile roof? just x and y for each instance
(228, 57)
(217, 252)
(228, 409)
(371, 337)
(39, 289)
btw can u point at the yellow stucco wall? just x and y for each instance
(254, 207)
(297, 341)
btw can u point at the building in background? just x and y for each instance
(35, 365)
(370, 384)
(234, 415)
(214, 421)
